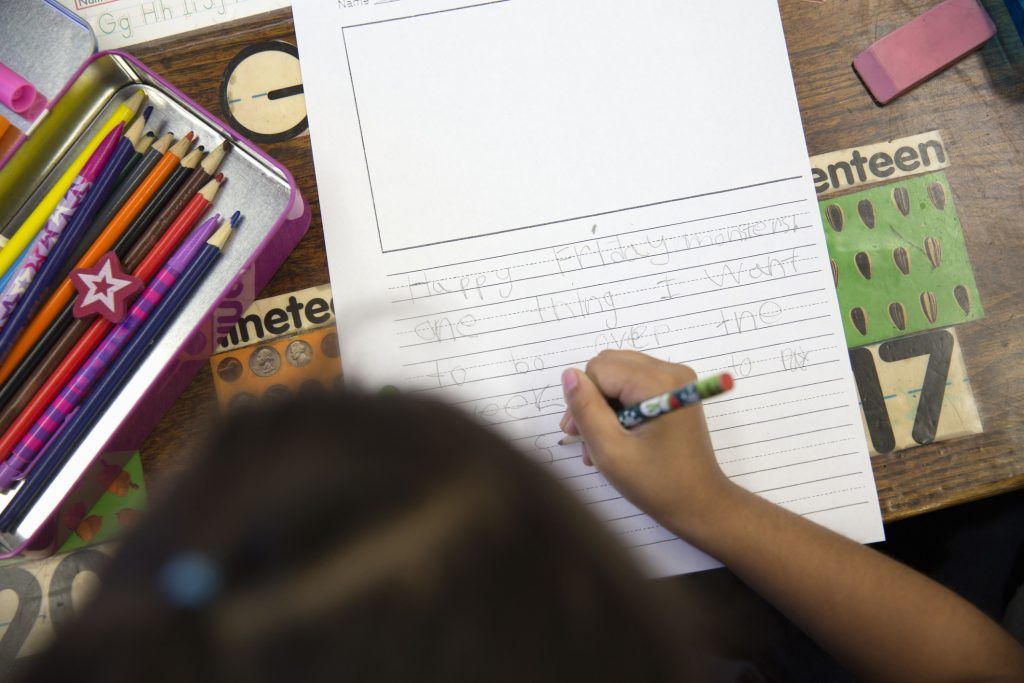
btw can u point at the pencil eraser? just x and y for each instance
(922, 48)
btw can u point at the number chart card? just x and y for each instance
(915, 391)
(510, 187)
(40, 597)
(900, 265)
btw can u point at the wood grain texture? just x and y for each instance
(979, 104)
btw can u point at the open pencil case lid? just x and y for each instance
(29, 28)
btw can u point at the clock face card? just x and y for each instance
(262, 94)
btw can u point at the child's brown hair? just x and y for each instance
(357, 538)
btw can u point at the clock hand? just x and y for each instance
(282, 93)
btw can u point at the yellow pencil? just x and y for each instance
(11, 250)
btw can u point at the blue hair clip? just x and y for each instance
(190, 580)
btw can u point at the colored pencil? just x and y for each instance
(31, 388)
(6, 277)
(51, 309)
(15, 243)
(77, 426)
(141, 145)
(164, 194)
(132, 137)
(5, 126)
(45, 280)
(145, 144)
(152, 207)
(192, 199)
(146, 234)
(51, 232)
(126, 187)
(180, 189)
(78, 387)
(131, 181)
(7, 141)
(645, 411)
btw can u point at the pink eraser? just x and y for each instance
(16, 93)
(917, 51)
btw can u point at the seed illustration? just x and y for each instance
(963, 298)
(902, 259)
(930, 306)
(860, 320)
(863, 264)
(835, 217)
(898, 315)
(901, 198)
(933, 248)
(867, 213)
(835, 272)
(937, 194)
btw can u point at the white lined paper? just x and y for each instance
(510, 187)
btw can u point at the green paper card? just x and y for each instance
(899, 260)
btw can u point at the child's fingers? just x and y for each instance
(593, 417)
(631, 377)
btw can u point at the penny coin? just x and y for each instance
(265, 361)
(329, 345)
(277, 392)
(312, 387)
(299, 353)
(242, 400)
(229, 369)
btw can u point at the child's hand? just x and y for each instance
(666, 467)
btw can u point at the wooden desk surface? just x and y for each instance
(979, 104)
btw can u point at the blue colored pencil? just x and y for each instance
(15, 267)
(46, 279)
(78, 423)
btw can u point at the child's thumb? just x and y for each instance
(593, 416)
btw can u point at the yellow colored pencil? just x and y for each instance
(12, 249)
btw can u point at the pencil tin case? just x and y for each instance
(275, 219)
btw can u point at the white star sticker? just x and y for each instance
(106, 296)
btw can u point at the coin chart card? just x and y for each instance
(282, 346)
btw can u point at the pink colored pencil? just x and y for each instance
(78, 387)
(40, 247)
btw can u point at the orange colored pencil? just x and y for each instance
(104, 243)
(4, 125)
(8, 137)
